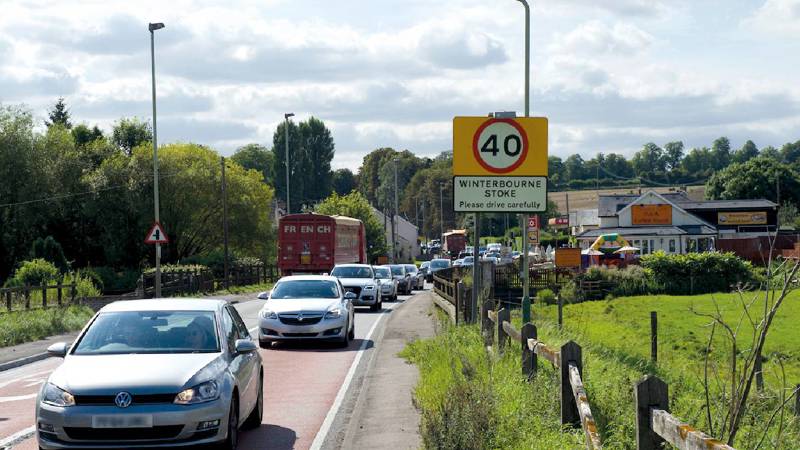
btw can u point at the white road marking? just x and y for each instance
(19, 436)
(17, 398)
(337, 402)
(26, 376)
(34, 383)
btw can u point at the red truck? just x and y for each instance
(454, 242)
(314, 243)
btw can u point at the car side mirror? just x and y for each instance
(264, 295)
(350, 295)
(58, 350)
(245, 346)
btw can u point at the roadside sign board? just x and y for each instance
(500, 164)
(533, 229)
(156, 235)
(568, 257)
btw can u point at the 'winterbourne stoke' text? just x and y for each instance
(502, 183)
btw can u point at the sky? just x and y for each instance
(610, 75)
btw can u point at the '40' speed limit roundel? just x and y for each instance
(500, 145)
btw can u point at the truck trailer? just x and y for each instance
(314, 243)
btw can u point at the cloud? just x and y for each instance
(465, 50)
(596, 38)
(40, 84)
(203, 131)
(776, 17)
(628, 8)
(170, 104)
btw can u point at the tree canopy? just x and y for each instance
(357, 206)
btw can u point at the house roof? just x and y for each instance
(727, 204)
(628, 232)
(610, 205)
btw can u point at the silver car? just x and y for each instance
(307, 307)
(399, 273)
(387, 283)
(360, 279)
(153, 373)
(417, 278)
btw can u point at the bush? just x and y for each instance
(50, 250)
(26, 326)
(35, 272)
(546, 296)
(698, 273)
(91, 274)
(170, 268)
(114, 281)
(84, 286)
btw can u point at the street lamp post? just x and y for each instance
(441, 213)
(394, 219)
(153, 27)
(526, 285)
(286, 144)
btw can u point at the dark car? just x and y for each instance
(436, 264)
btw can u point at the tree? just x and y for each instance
(757, 178)
(130, 133)
(790, 152)
(617, 165)
(83, 135)
(368, 174)
(344, 181)
(59, 115)
(50, 250)
(649, 160)
(720, 153)
(698, 162)
(555, 168)
(355, 205)
(744, 154)
(574, 168)
(673, 154)
(297, 165)
(770, 152)
(256, 157)
(318, 147)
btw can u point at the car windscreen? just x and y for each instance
(440, 264)
(397, 270)
(352, 272)
(304, 289)
(411, 269)
(127, 332)
(383, 272)
(468, 259)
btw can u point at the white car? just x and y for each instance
(386, 281)
(306, 307)
(360, 280)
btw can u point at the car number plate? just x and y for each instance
(123, 421)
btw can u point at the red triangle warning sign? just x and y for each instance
(156, 235)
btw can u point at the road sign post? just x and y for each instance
(500, 165)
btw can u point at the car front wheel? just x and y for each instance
(232, 440)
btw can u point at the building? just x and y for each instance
(407, 236)
(674, 223)
(583, 220)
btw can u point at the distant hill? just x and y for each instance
(587, 199)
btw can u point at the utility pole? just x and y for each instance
(441, 212)
(526, 284)
(396, 215)
(286, 145)
(153, 27)
(225, 222)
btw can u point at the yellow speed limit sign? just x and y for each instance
(500, 164)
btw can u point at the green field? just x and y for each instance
(507, 412)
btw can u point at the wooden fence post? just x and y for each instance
(654, 336)
(797, 401)
(44, 296)
(570, 354)
(27, 297)
(649, 393)
(486, 324)
(560, 311)
(8, 300)
(73, 291)
(528, 357)
(59, 294)
(502, 337)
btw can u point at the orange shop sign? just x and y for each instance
(651, 214)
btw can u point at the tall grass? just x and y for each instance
(24, 326)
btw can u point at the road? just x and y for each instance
(304, 385)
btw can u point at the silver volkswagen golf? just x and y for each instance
(154, 373)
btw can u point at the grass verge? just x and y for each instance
(25, 326)
(468, 400)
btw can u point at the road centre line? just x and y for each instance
(319, 439)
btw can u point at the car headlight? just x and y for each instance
(204, 392)
(369, 287)
(268, 314)
(333, 314)
(54, 395)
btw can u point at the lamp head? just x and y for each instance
(155, 26)
(287, 115)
